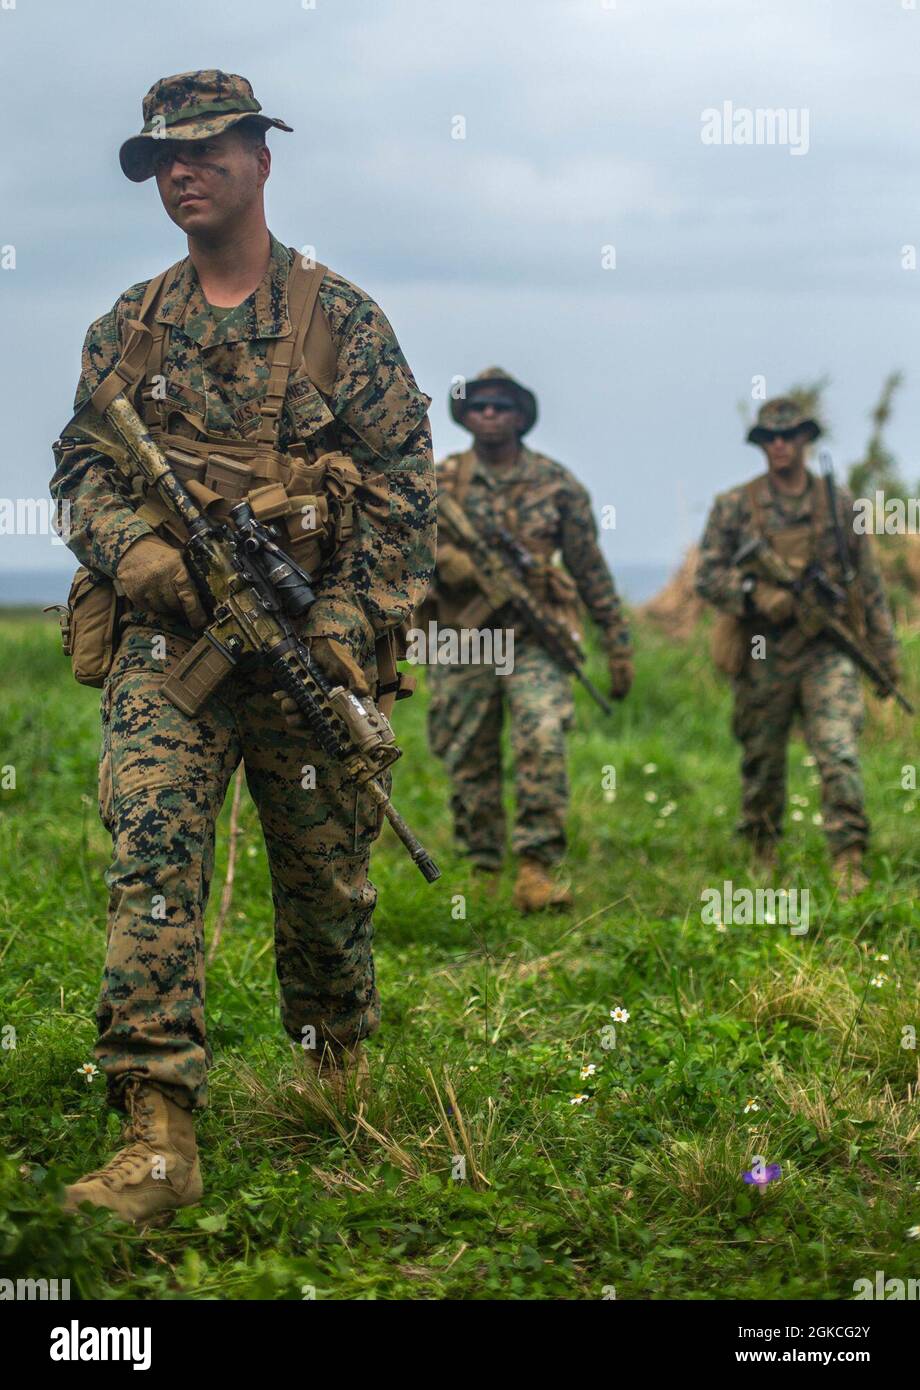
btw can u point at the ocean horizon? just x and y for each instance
(34, 588)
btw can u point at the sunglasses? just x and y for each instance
(170, 150)
(770, 436)
(483, 403)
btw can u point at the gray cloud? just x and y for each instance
(583, 130)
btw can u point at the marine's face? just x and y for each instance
(785, 449)
(492, 416)
(205, 185)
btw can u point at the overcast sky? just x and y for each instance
(583, 131)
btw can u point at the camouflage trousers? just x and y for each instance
(162, 781)
(822, 687)
(465, 717)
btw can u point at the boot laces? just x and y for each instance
(142, 1112)
(110, 1173)
(137, 1130)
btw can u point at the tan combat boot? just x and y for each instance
(342, 1072)
(536, 889)
(157, 1172)
(848, 872)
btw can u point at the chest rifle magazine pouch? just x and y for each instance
(228, 477)
(89, 623)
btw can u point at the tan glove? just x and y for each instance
(774, 603)
(454, 566)
(621, 676)
(338, 664)
(153, 575)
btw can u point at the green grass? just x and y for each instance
(487, 1021)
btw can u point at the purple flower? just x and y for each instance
(770, 1173)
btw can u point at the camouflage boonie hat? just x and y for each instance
(189, 106)
(494, 376)
(782, 414)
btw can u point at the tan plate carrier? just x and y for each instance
(312, 505)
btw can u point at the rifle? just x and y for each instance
(501, 585)
(843, 555)
(816, 595)
(252, 590)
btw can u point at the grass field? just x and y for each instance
(487, 1022)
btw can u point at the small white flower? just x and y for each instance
(881, 956)
(651, 797)
(817, 818)
(751, 1105)
(619, 1015)
(797, 815)
(878, 980)
(88, 1071)
(251, 851)
(610, 794)
(649, 768)
(669, 808)
(720, 926)
(808, 761)
(588, 1070)
(579, 1100)
(913, 1233)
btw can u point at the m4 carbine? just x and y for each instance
(499, 581)
(252, 590)
(816, 595)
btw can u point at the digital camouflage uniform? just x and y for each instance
(548, 511)
(809, 678)
(163, 776)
